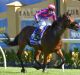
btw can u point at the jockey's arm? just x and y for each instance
(36, 17)
(38, 13)
(54, 16)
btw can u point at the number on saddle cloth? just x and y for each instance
(37, 35)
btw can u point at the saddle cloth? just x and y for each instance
(39, 34)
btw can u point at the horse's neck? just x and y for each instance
(55, 31)
(58, 30)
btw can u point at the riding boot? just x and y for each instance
(35, 38)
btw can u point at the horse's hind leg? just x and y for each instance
(19, 54)
(60, 54)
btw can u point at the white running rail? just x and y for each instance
(71, 40)
(3, 56)
(64, 40)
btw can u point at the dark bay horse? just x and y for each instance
(50, 42)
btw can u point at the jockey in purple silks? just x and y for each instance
(44, 18)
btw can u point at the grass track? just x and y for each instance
(32, 71)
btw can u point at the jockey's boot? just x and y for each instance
(35, 38)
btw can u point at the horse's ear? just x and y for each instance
(67, 14)
(64, 15)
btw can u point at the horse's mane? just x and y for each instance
(60, 20)
(57, 22)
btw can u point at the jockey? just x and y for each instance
(44, 18)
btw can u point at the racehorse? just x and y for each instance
(50, 42)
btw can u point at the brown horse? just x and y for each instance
(50, 42)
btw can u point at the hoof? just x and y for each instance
(44, 70)
(22, 70)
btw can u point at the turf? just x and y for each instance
(32, 71)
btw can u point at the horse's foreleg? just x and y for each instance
(45, 62)
(60, 54)
(19, 54)
(37, 58)
(37, 55)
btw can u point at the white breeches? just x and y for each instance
(42, 23)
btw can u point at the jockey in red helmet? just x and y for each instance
(52, 7)
(45, 17)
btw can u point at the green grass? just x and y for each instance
(32, 71)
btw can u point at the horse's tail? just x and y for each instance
(10, 42)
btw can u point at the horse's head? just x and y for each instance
(69, 22)
(66, 21)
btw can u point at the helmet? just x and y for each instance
(51, 6)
